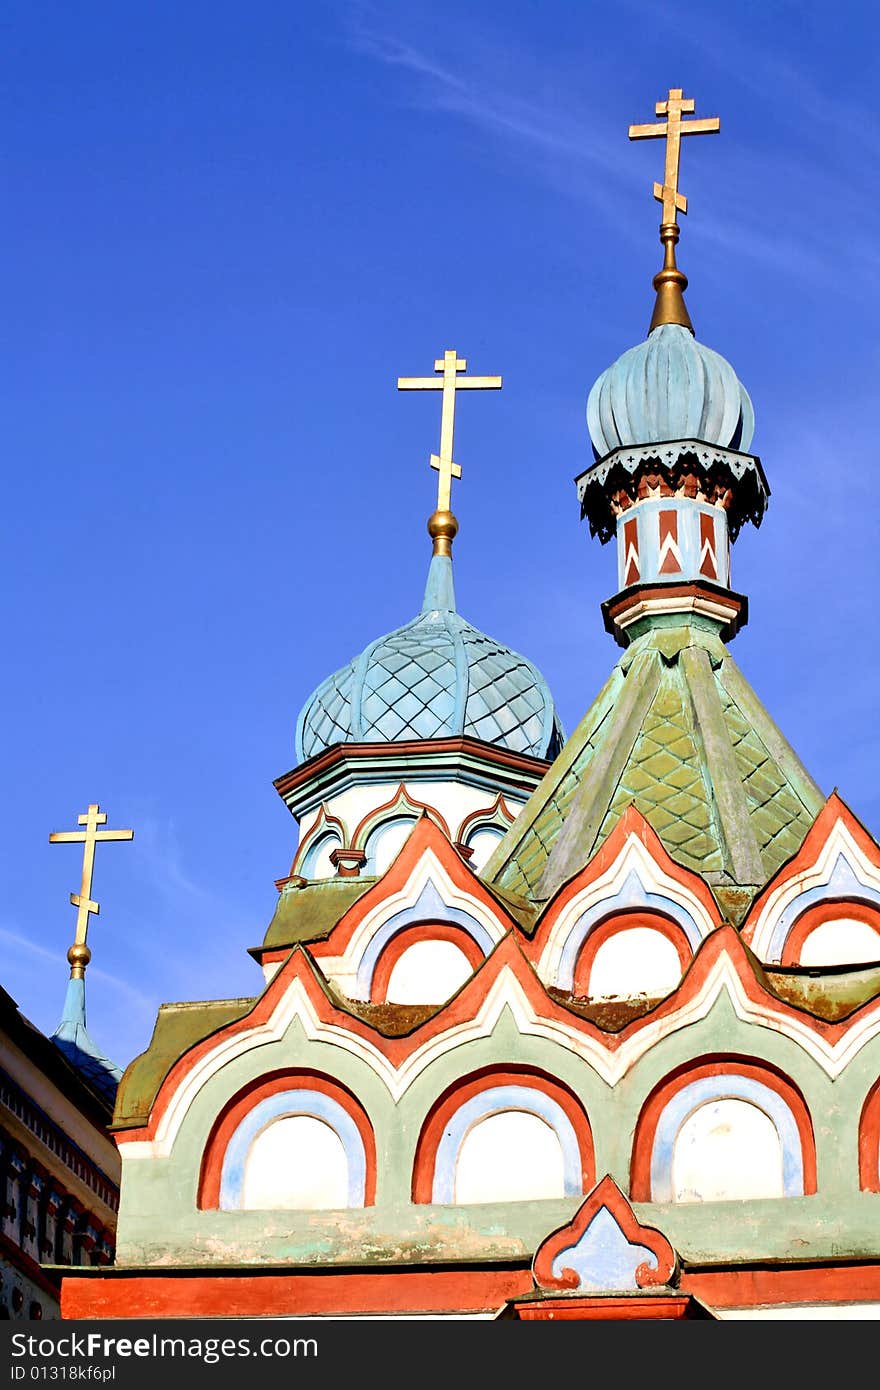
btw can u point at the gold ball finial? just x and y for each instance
(78, 957)
(442, 528)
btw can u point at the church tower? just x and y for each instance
(627, 1066)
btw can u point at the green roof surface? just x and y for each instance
(678, 732)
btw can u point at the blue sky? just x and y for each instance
(226, 230)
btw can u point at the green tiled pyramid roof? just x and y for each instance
(678, 731)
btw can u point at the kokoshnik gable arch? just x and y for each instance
(627, 1064)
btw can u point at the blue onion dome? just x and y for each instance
(435, 677)
(669, 387)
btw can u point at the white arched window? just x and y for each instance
(296, 1162)
(636, 961)
(316, 862)
(511, 1156)
(428, 972)
(841, 941)
(482, 843)
(385, 843)
(726, 1150)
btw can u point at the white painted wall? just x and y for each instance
(296, 1161)
(727, 1149)
(509, 1157)
(841, 942)
(428, 972)
(637, 961)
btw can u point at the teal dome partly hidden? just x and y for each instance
(669, 387)
(435, 677)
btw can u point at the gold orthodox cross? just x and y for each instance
(673, 128)
(450, 364)
(79, 954)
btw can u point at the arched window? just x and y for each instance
(385, 842)
(723, 1130)
(630, 954)
(428, 972)
(727, 1149)
(482, 843)
(316, 861)
(834, 933)
(512, 1136)
(296, 1161)
(296, 1141)
(424, 964)
(484, 1171)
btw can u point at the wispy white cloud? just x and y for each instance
(555, 131)
(559, 123)
(26, 946)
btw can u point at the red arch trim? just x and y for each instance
(628, 921)
(240, 1105)
(869, 1141)
(827, 911)
(460, 1092)
(755, 1070)
(409, 936)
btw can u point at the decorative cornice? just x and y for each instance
(357, 764)
(730, 610)
(620, 467)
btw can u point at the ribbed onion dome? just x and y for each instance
(435, 677)
(669, 387)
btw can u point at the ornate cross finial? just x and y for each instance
(442, 525)
(673, 128)
(79, 954)
(670, 283)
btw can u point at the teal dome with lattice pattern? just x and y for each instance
(435, 677)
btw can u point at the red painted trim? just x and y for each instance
(160, 1294)
(828, 911)
(240, 1106)
(434, 1290)
(409, 936)
(605, 1194)
(751, 1067)
(456, 1095)
(486, 817)
(707, 538)
(632, 822)
(622, 922)
(275, 957)
(780, 1284)
(834, 810)
(353, 752)
(606, 1308)
(631, 552)
(406, 806)
(426, 836)
(869, 1141)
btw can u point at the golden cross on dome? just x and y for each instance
(673, 128)
(79, 954)
(450, 365)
